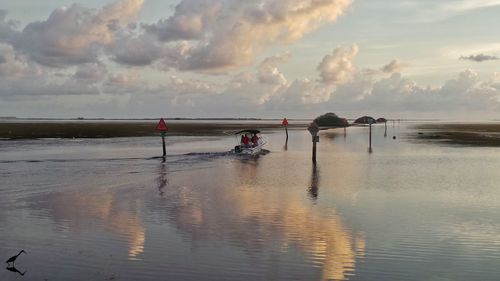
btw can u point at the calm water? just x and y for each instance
(106, 210)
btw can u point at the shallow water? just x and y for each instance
(107, 209)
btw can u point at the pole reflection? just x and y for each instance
(313, 187)
(162, 179)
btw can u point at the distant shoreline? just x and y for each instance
(139, 128)
(466, 133)
(8, 118)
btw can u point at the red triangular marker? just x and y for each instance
(162, 126)
(285, 122)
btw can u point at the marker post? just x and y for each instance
(314, 130)
(370, 150)
(162, 128)
(284, 123)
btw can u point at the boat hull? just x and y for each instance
(249, 150)
(254, 150)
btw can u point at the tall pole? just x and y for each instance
(286, 131)
(163, 142)
(314, 150)
(162, 128)
(385, 131)
(370, 138)
(314, 130)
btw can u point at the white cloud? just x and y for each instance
(337, 68)
(268, 72)
(393, 67)
(225, 33)
(74, 35)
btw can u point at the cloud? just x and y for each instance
(224, 34)
(396, 93)
(268, 72)
(479, 58)
(191, 20)
(74, 35)
(20, 88)
(201, 35)
(139, 50)
(432, 11)
(90, 73)
(12, 65)
(469, 5)
(392, 67)
(7, 28)
(337, 68)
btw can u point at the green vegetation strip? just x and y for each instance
(35, 130)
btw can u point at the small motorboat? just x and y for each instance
(250, 142)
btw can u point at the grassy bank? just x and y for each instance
(103, 129)
(459, 134)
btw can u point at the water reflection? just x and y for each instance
(257, 220)
(331, 135)
(246, 169)
(118, 211)
(313, 188)
(162, 179)
(15, 270)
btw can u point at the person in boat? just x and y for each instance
(245, 140)
(255, 140)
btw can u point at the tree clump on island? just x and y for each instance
(365, 120)
(331, 119)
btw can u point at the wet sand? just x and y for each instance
(458, 134)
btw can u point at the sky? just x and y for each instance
(241, 58)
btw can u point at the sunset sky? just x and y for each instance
(241, 58)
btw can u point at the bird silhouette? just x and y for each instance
(13, 258)
(14, 269)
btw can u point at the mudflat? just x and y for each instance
(470, 134)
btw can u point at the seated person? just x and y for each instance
(245, 140)
(255, 140)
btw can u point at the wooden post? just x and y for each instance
(284, 123)
(370, 138)
(385, 131)
(162, 128)
(163, 142)
(314, 130)
(314, 150)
